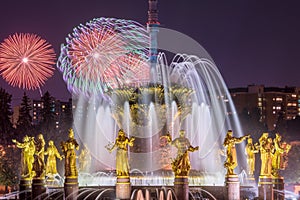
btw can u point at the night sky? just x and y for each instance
(251, 41)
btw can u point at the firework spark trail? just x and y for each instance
(103, 54)
(26, 60)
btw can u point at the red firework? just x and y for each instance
(26, 60)
(93, 50)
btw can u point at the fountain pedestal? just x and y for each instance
(250, 181)
(123, 188)
(181, 187)
(278, 185)
(38, 188)
(233, 187)
(265, 188)
(71, 188)
(25, 184)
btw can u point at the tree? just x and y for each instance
(6, 127)
(9, 166)
(25, 119)
(292, 173)
(47, 126)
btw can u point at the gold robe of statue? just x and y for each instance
(68, 148)
(52, 153)
(250, 150)
(122, 165)
(231, 159)
(181, 164)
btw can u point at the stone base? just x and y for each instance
(233, 187)
(38, 189)
(265, 188)
(250, 181)
(278, 187)
(51, 183)
(123, 188)
(71, 188)
(181, 187)
(25, 185)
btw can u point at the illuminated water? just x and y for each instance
(209, 114)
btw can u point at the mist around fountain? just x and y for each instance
(195, 98)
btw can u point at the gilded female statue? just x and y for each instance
(231, 159)
(52, 153)
(26, 161)
(121, 143)
(39, 162)
(68, 148)
(84, 160)
(181, 164)
(276, 159)
(250, 150)
(266, 150)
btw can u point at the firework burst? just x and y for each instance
(104, 54)
(26, 60)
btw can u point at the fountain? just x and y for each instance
(121, 83)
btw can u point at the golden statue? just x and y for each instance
(52, 153)
(266, 149)
(26, 156)
(181, 164)
(284, 157)
(276, 158)
(231, 159)
(39, 162)
(68, 148)
(84, 160)
(31, 153)
(122, 165)
(250, 150)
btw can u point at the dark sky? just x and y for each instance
(251, 41)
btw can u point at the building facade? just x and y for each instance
(271, 102)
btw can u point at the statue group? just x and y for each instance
(33, 154)
(180, 165)
(273, 154)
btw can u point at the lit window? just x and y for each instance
(63, 106)
(39, 105)
(274, 112)
(294, 95)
